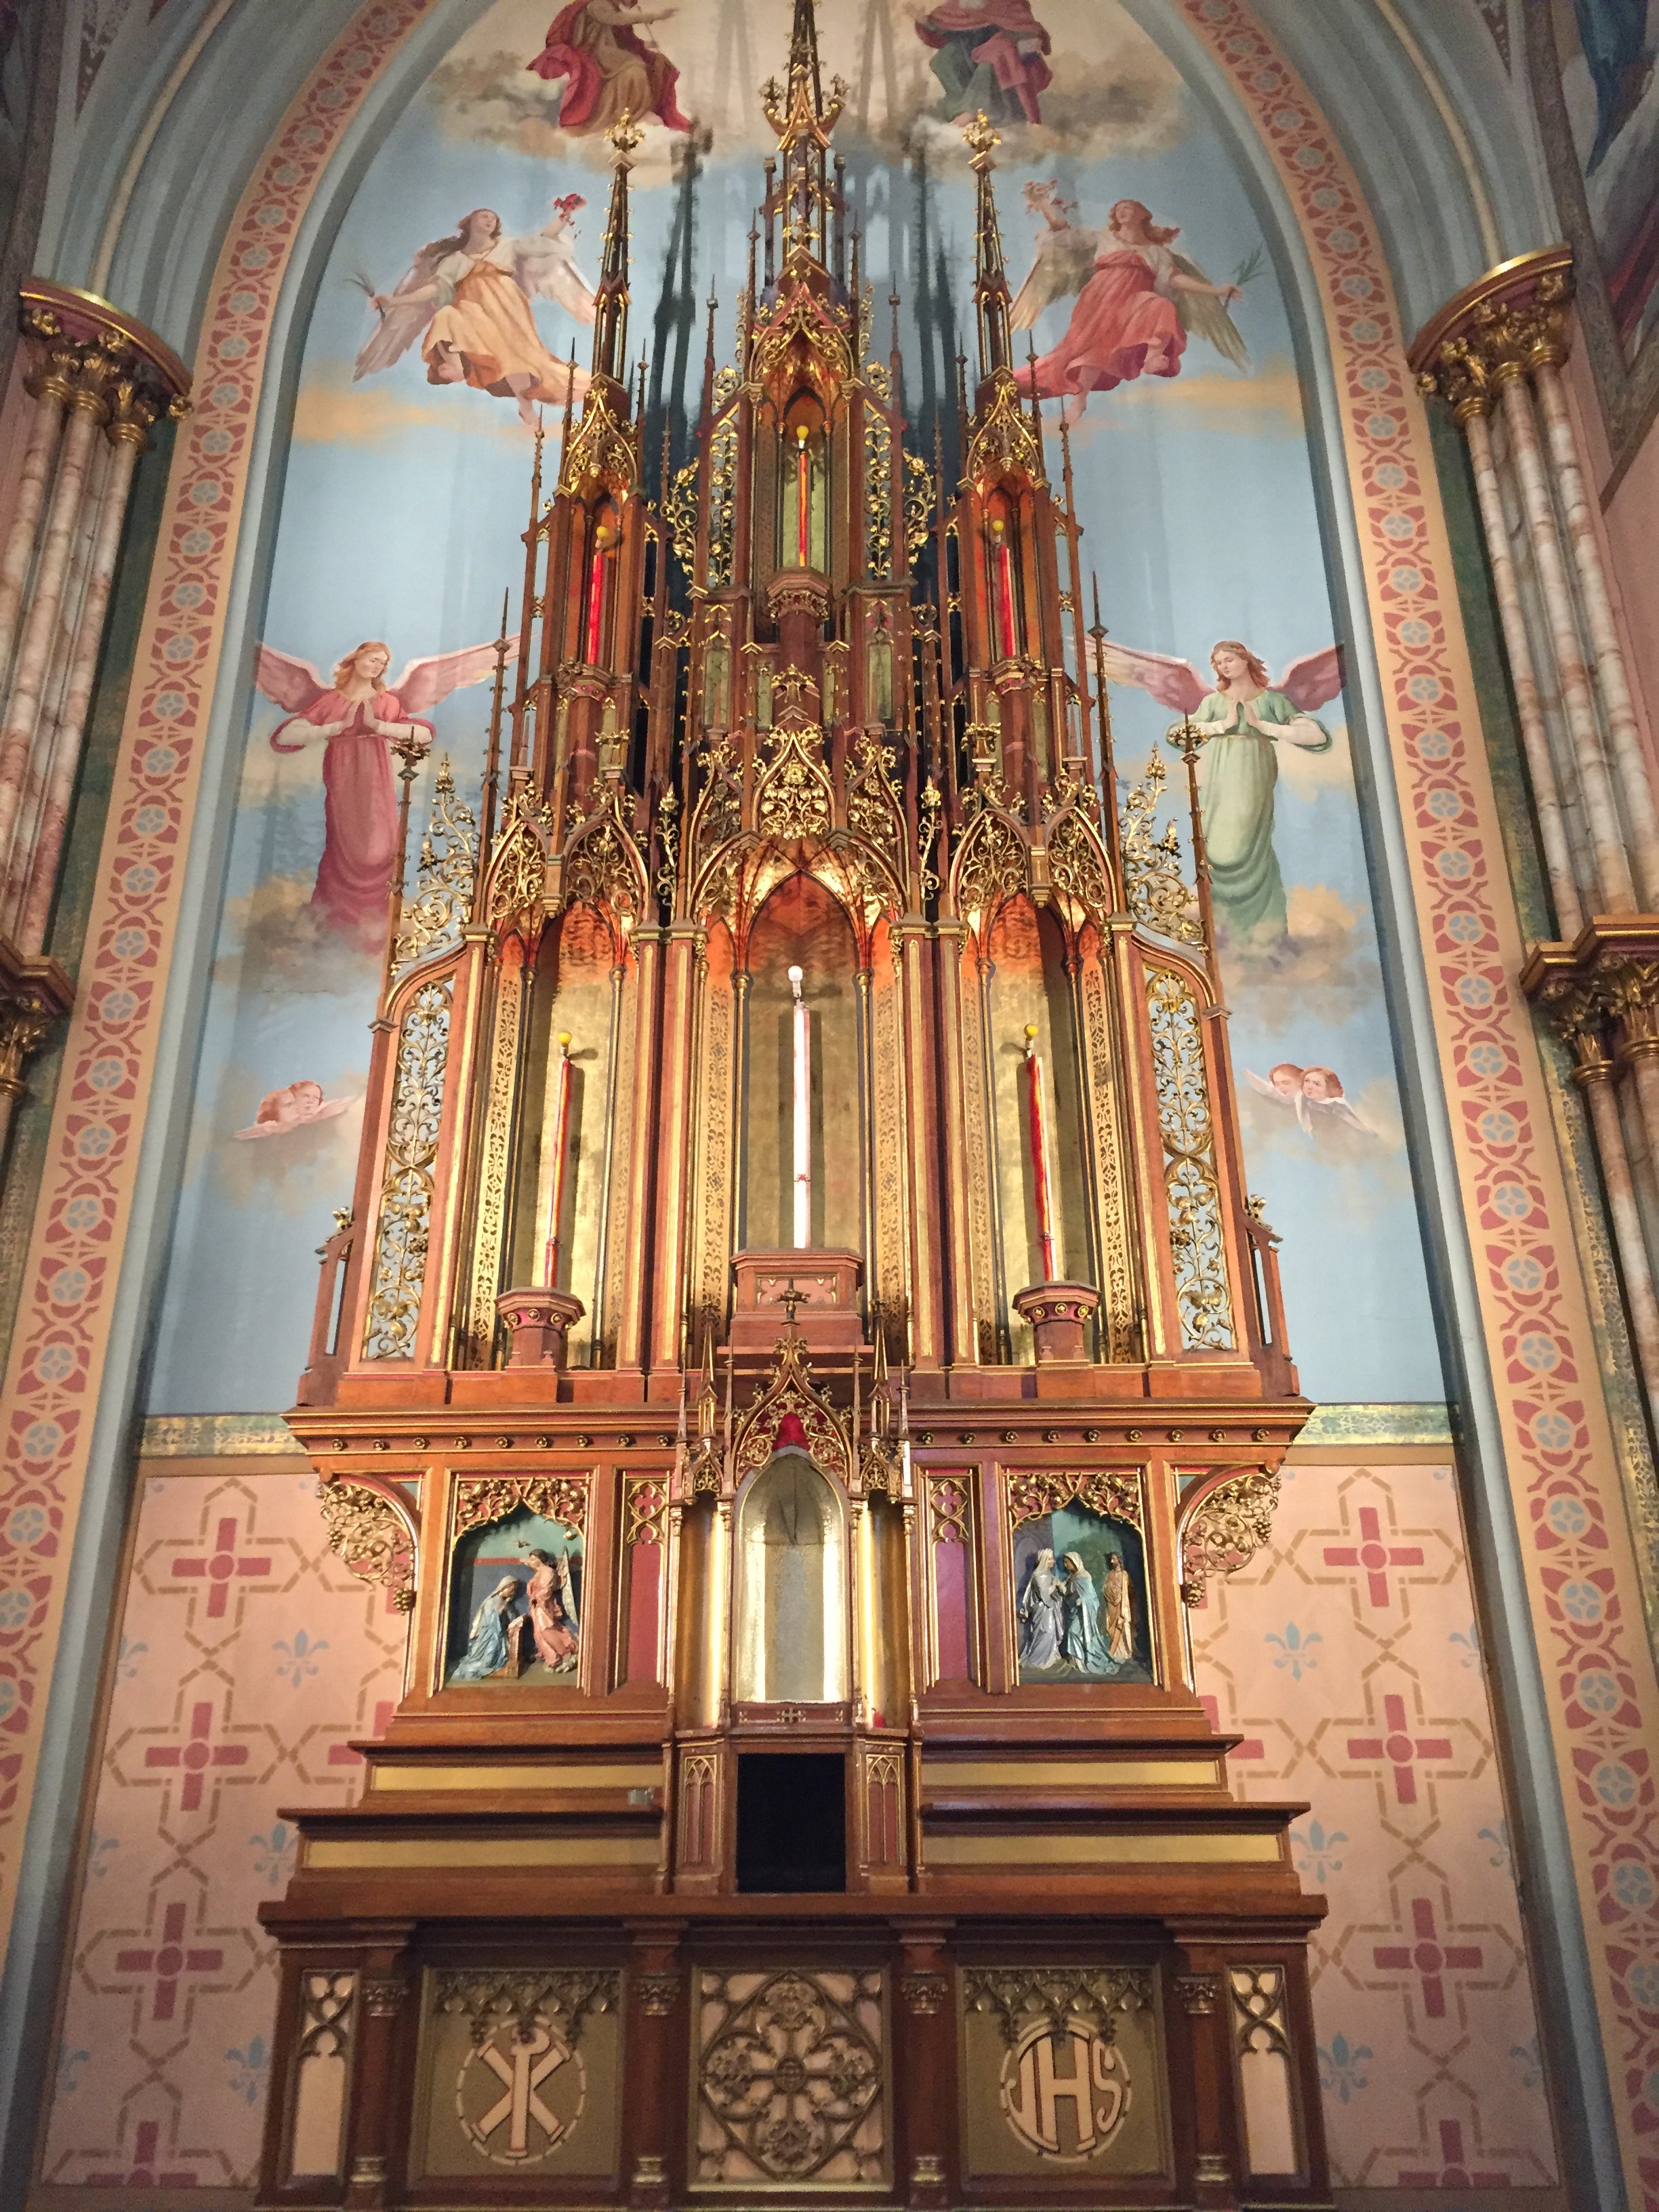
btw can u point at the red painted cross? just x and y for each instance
(1252, 1748)
(220, 1566)
(168, 1963)
(1399, 1749)
(1373, 1554)
(145, 2141)
(1428, 1957)
(342, 1754)
(196, 1755)
(1455, 2174)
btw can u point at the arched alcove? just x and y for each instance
(1028, 986)
(571, 994)
(791, 1610)
(802, 926)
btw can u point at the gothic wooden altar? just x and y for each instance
(800, 1346)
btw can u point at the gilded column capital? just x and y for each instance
(1505, 325)
(92, 357)
(1577, 1010)
(34, 992)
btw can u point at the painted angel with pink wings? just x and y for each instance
(1242, 717)
(356, 716)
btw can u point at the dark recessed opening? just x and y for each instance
(792, 1820)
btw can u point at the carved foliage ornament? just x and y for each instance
(603, 866)
(490, 1997)
(1033, 1491)
(992, 865)
(370, 1537)
(1157, 892)
(1023, 1997)
(1197, 1243)
(1077, 867)
(794, 793)
(789, 1390)
(1226, 1528)
(492, 1497)
(1501, 339)
(518, 870)
(442, 903)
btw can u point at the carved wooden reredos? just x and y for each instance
(800, 1349)
(800, 702)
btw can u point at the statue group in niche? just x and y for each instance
(1080, 1607)
(520, 1629)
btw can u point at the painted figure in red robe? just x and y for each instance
(611, 71)
(357, 717)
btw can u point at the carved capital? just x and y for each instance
(1505, 325)
(1630, 991)
(925, 1995)
(1578, 1012)
(34, 992)
(384, 1996)
(1198, 1995)
(658, 1994)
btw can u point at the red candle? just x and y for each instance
(556, 1163)
(1039, 1153)
(602, 542)
(1004, 566)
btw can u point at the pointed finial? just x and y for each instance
(625, 135)
(982, 138)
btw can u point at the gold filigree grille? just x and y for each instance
(790, 2079)
(442, 904)
(405, 1224)
(1181, 1084)
(1156, 891)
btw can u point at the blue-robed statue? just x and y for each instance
(487, 1652)
(1081, 1641)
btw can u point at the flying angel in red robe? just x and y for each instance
(1138, 301)
(610, 69)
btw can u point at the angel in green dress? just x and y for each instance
(1242, 721)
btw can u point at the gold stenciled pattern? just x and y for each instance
(400, 1248)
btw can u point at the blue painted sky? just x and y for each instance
(401, 509)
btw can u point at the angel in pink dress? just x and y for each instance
(1241, 720)
(1137, 300)
(358, 717)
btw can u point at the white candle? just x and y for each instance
(803, 1059)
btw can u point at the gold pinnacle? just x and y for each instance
(624, 135)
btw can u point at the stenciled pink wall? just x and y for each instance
(1347, 1657)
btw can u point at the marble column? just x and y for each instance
(97, 382)
(1496, 351)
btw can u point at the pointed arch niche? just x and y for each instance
(577, 987)
(790, 1614)
(1021, 981)
(803, 926)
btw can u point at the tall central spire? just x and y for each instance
(804, 119)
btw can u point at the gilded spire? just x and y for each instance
(990, 277)
(611, 308)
